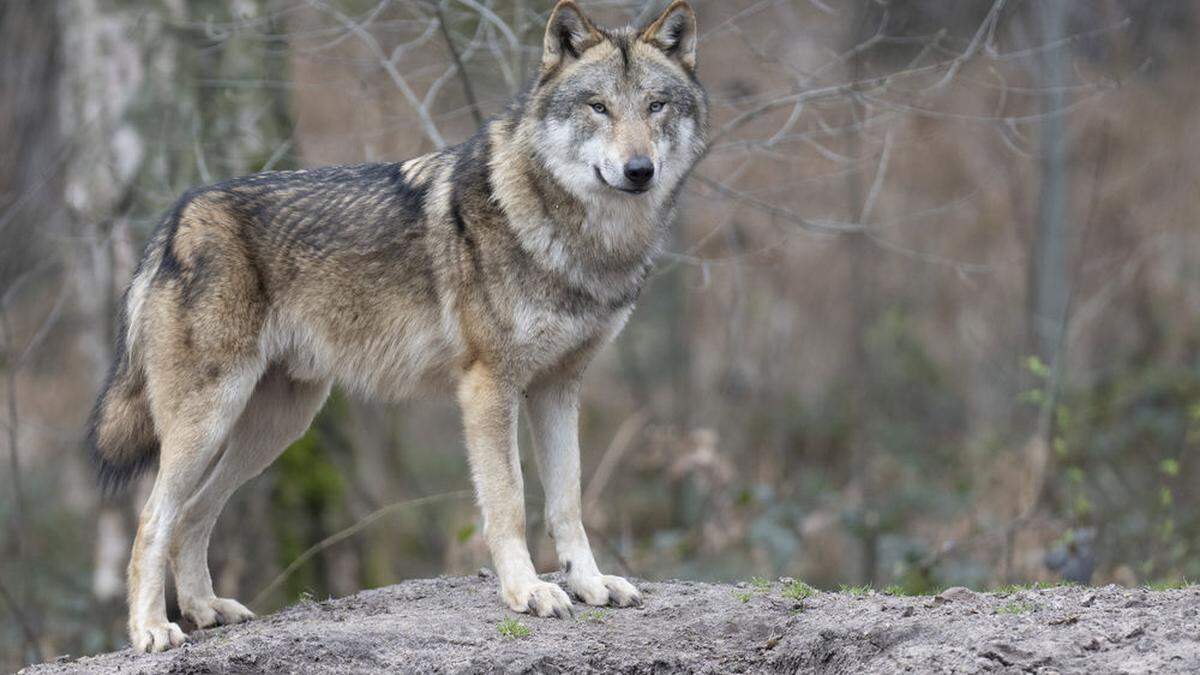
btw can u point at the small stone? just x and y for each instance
(908, 611)
(956, 594)
(1011, 652)
(1089, 600)
(485, 573)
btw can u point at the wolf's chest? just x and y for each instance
(541, 335)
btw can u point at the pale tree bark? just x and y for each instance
(1051, 286)
(115, 61)
(31, 152)
(1050, 282)
(863, 310)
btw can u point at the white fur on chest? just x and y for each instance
(614, 229)
(542, 336)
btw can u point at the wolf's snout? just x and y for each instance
(639, 170)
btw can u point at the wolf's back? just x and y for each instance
(240, 234)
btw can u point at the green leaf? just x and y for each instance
(1032, 396)
(511, 629)
(1169, 466)
(1035, 365)
(798, 590)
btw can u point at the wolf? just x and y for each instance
(494, 269)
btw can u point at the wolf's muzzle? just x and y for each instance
(639, 171)
(635, 190)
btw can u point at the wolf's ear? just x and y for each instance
(568, 34)
(674, 32)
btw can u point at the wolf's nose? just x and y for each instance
(639, 170)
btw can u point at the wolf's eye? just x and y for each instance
(600, 108)
(657, 106)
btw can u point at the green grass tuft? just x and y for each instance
(511, 629)
(899, 591)
(1035, 586)
(1016, 607)
(856, 591)
(595, 616)
(757, 585)
(798, 590)
(1169, 585)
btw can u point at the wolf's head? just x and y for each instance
(619, 113)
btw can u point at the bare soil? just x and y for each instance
(451, 625)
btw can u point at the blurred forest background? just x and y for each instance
(929, 315)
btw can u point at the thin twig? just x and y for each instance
(349, 532)
(468, 89)
(27, 630)
(513, 43)
(877, 183)
(427, 124)
(621, 443)
(821, 227)
(973, 48)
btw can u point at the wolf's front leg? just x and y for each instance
(489, 407)
(554, 425)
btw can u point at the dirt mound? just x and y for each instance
(458, 625)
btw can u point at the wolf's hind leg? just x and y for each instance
(277, 414)
(489, 408)
(193, 426)
(553, 408)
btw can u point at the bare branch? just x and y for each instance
(32, 641)
(820, 227)
(427, 124)
(973, 48)
(513, 43)
(877, 184)
(464, 77)
(349, 532)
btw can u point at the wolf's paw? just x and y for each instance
(155, 637)
(539, 598)
(216, 612)
(605, 589)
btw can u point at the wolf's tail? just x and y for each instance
(121, 438)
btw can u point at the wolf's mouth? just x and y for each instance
(631, 191)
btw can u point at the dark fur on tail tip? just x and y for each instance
(115, 467)
(113, 477)
(121, 440)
